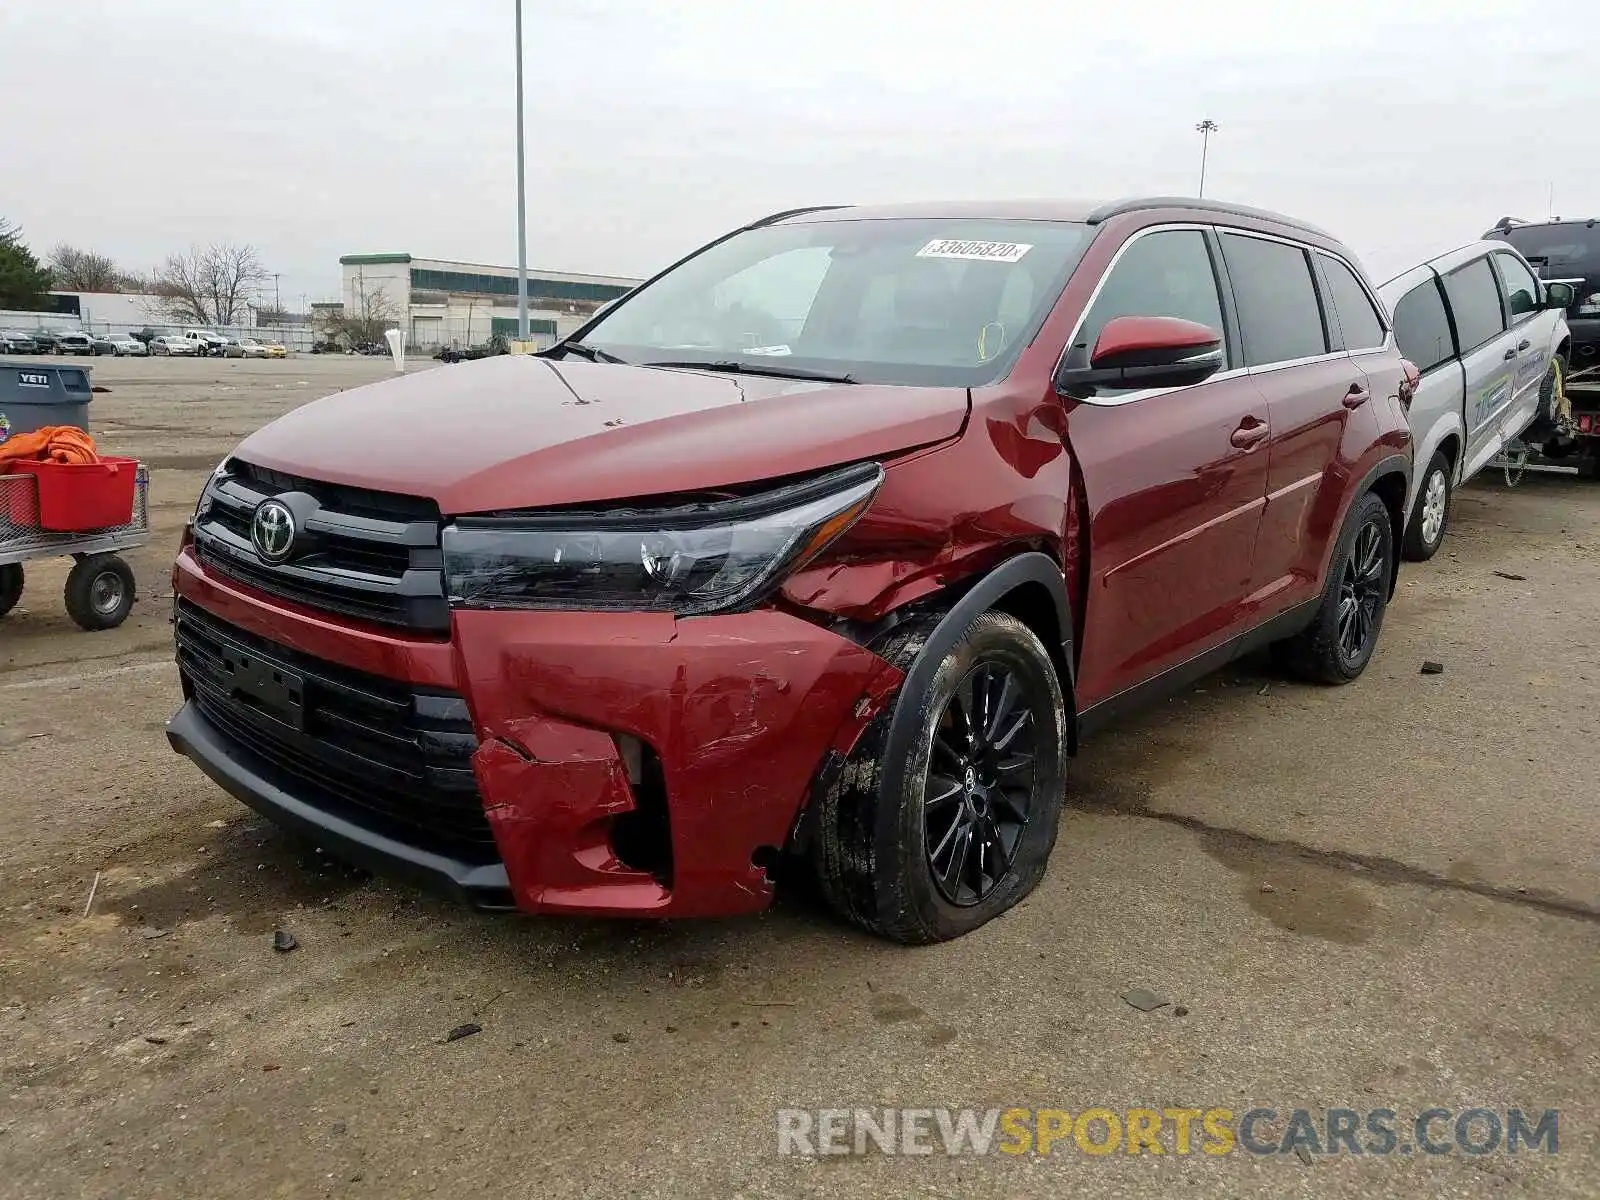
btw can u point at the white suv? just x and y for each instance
(1491, 343)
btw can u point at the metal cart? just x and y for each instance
(100, 588)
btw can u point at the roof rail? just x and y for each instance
(1507, 223)
(1141, 203)
(793, 212)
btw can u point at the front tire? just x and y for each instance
(1337, 645)
(99, 592)
(957, 832)
(1430, 517)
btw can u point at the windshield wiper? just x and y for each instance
(757, 368)
(592, 353)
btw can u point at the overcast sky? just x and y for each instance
(314, 128)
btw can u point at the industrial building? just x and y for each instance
(443, 303)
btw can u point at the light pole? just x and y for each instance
(522, 209)
(1205, 129)
(277, 303)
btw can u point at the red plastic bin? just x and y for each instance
(78, 496)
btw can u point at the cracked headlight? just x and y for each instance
(697, 558)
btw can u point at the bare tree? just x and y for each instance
(76, 270)
(365, 318)
(209, 285)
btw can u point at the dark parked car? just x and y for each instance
(14, 341)
(102, 343)
(827, 545)
(1565, 252)
(45, 340)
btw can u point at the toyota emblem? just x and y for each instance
(272, 531)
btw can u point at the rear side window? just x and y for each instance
(1279, 317)
(1163, 274)
(1522, 290)
(1358, 319)
(1475, 302)
(1422, 328)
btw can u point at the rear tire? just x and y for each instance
(1430, 517)
(1336, 647)
(932, 847)
(10, 586)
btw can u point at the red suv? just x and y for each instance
(827, 544)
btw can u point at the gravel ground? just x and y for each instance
(1381, 896)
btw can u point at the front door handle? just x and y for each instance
(1523, 345)
(1356, 396)
(1251, 431)
(1510, 354)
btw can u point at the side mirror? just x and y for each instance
(1143, 352)
(1560, 295)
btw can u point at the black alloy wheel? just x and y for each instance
(1338, 642)
(1362, 591)
(979, 790)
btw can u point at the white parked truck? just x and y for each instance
(204, 341)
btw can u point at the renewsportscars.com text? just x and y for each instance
(1209, 1131)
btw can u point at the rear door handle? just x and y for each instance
(1251, 431)
(1523, 345)
(1356, 396)
(1510, 354)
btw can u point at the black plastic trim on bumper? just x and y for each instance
(481, 885)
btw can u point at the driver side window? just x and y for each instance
(1522, 290)
(1163, 274)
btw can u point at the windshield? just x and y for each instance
(931, 301)
(1569, 251)
(1553, 248)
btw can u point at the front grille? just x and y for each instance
(374, 751)
(369, 555)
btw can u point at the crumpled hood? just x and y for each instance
(520, 432)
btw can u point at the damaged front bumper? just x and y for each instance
(627, 764)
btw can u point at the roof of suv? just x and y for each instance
(1089, 212)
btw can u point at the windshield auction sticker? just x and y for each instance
(1006, 252)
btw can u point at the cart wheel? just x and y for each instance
(99, 592)
(10, 587)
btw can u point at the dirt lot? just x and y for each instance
(1386, 895)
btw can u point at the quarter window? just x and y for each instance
(1163, 274)
(1522, 290)
(1475, 302)
(1279, 317)
(1358, 320)
(1422, 327)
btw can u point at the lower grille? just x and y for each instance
(370, 750)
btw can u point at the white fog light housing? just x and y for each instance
(688, 560)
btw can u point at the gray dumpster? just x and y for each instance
(33, 395)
